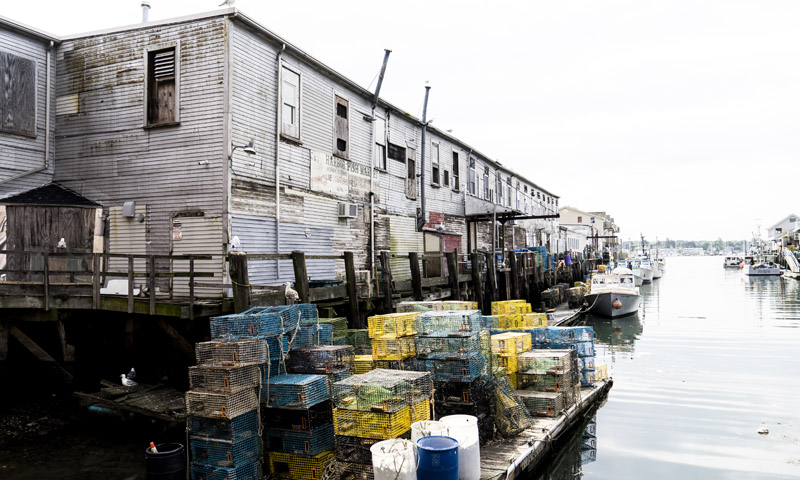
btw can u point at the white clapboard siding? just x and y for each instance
(403, 239)
(199, 235)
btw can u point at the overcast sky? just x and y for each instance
(680, 118)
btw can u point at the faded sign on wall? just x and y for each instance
(340, 177)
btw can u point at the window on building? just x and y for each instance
(456, 185)
(290, 103)
(379, 133)
(446, 179)
(517, 196)
(580, 219)
(17, 95)
(509, 200)
(396, 152)
(473, 180)
(411, 174)
(342, 128)
(499, 189)
(435, 163)
(486, 185)
(162, 87)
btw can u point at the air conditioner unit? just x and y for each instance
(348, 210)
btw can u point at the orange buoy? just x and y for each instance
(616, 304)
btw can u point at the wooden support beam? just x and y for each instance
(452, 272)
(46, 280)
(67, 349)
(386, 267)
(130, 284)
(300, 275)
(416, 279)
(492, 280)
(352, 292)
(514, 273)
(40, 353)
(477, 284)
(191, 287)
(95, 281)
(4, 328)
(240, 279)
(523, 284)
(152, 284)
(177, 339)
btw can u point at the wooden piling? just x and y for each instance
(240, 280)
(492, 278)
(514, 273)
(416, 280)
(386, 266)
(477, 284)
(352, 291)
(452, 271)
(300, 274)
(152, 284)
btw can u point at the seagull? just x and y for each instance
(227, 3)
(290, 293)
(62, 244)
(236, 244)
(126, 382)
(131, 375)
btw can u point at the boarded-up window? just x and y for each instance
(290, 103)
(473, 177)
(17, 95)
(435, 163)
(342, 128)
(486, 185)
(456, 185)
(379, 154)
(396, 152)
(411, 175)
(162, 92)
(499, 189)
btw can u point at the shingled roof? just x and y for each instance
(51, 195)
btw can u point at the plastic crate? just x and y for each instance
(300, 442)
(223, 378)
(362, 364)
(543, 404)
(359, 339)
(382, 390)
(547, 382)
(447, 347)
(231, 351)
(306, 419)
(461, 370)
(224, 429)
(490, 322)
(225, 453)
(221, 405)
(545, 362)
(202, 471)
(323, 359)
(473, 392)
(376, 425)
(297, 390)
(449, 323)
(393, 325)
(391, 348)
(296, 467)
(511, 343)
(311, 335)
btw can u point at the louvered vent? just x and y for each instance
(164, 64)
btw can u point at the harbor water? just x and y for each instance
(711, 358)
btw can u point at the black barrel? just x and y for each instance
(169, 463)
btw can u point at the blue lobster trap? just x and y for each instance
(225, 453)
(447, 347)
(202, 471)
(296, 314)
(490, 322)
(464, 323)
(225, 429)
(271, 370)
(300, 442)
(587, 378)
(297, 390)
(278, 347)
(569, 334)
(312, 335)
(321, 359)
(586, 363)
(310, 418)
(583, 349)
(457, 370)
(256, 322)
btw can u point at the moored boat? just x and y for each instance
(613, 294)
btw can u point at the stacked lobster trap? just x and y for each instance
(392, 337)
(579, 339)
(547, 381)
(377, 405)
(507, 347)
(223, 406)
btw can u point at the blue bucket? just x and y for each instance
(438, 458)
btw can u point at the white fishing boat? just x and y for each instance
(642, 269)
(656, 269)
(760, 267)
(733, 261)
(613, 294)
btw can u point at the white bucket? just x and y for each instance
(394, 459)
(464, 428)
(427, 428)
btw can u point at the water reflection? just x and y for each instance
(575, 451)
(618, 334)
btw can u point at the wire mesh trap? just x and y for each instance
(310, 335)
(511, 343)
(296, 467)
(447, 347)
(237, 428)
(354, 449)
(543, 404)
(223, 378)
(231, 351)
(375, 425)
(587, 378)
(393, 325)
(543, 362)
(294, 315)
(449, 323)
(300, 442)
(510, 307)
(473, 392)
(582, 349)
(562, 382)
(362, 364)
(490, 322)
(338, 324)
(323, 359)
(337, 470)
(408, 365)
(221, 405)
(225, 453)
(458, 305)
(390, 348)
(306, 419)
(510, 414)
(460, 370)
(298, 390)
(202, 471)
(359, 339)
(382, 390)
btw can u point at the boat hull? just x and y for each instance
(762, 271)
(601, 304)
(645, 273)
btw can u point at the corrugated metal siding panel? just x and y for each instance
(199, 236)
(20, 154)
(104, 153)
(403, 238)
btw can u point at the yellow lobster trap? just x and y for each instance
(297, 467)
(376, 425)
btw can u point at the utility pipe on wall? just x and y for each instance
(421, 219)
(372, 170)
(278, 122)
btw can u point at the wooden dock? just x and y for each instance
(513, 457)
(156, 401)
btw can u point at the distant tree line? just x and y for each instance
(717, 245)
